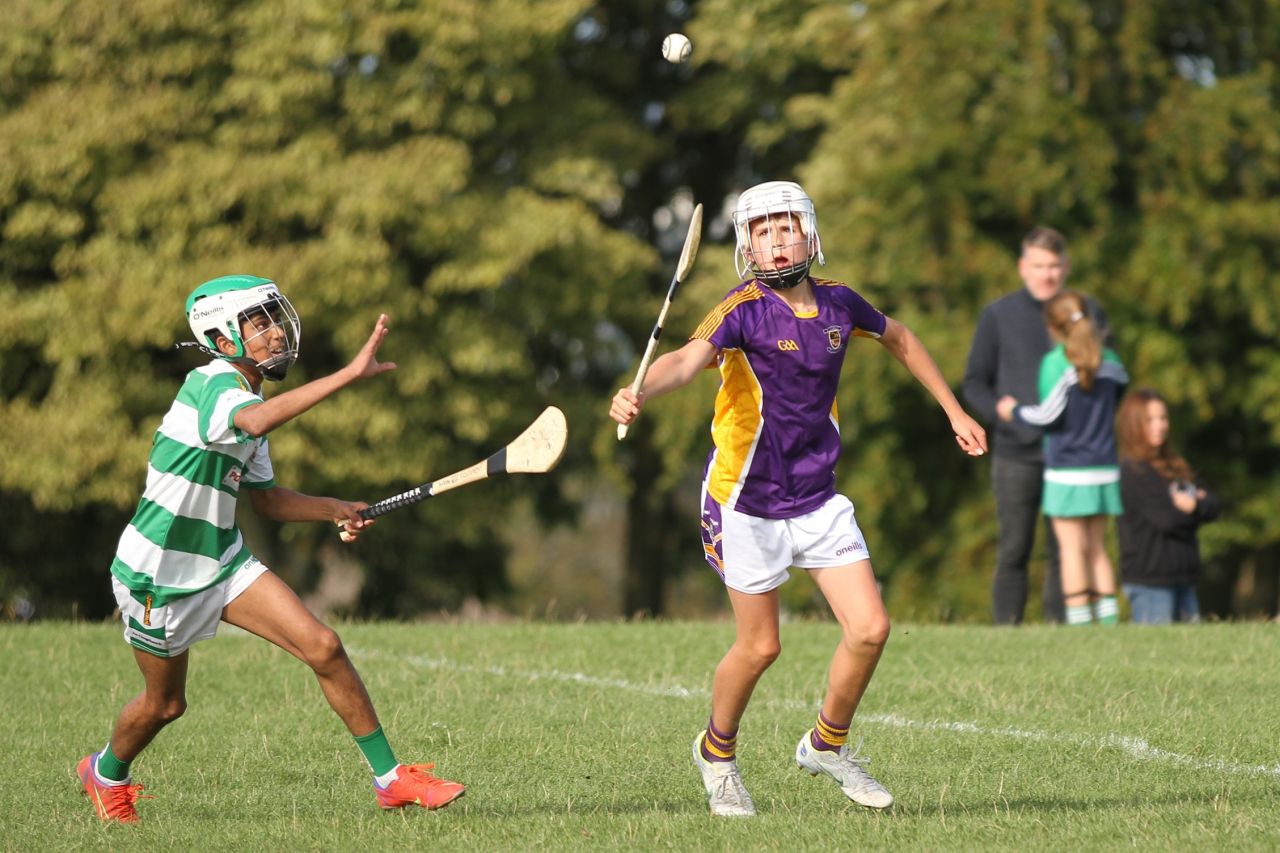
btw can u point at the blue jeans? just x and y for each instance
(1160, 605)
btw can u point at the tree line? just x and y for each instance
(509, 182)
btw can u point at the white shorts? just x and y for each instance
(172, 628)
(753, 554)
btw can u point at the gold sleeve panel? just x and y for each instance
(736, 426)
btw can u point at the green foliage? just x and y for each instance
(941, 133)
(376, 157)
(492, 174)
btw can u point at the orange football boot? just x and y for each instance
(111, 802)
(416, 787)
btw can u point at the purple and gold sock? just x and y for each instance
(718, 746)
(827, 735)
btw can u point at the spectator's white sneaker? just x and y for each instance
(849, 771)
(725, 792)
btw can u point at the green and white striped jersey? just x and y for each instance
(183, 537)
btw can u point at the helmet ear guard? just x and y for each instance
(776, 198)
(220, 307)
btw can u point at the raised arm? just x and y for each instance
(260, 418)
(668, 372)
(908, 349)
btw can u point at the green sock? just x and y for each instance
(1107, 610)
(110, 767)
(1079, 614)
(377, 752)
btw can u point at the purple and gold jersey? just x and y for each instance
(775, 428)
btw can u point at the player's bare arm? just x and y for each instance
(668, 372)
(907, 348)
(260, 419)
(281, 504)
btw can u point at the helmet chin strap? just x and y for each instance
(204, 349)
(785, 278)
(273, 369)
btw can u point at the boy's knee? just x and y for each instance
(879, 633)
(874, 633)
(762, 653)
(165, 711)
(324, 648)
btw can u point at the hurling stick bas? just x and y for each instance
(535, 451)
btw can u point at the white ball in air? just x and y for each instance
(677, 48)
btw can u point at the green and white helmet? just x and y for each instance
(220, 308)
(768, 199)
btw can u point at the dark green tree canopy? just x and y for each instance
(506, 180)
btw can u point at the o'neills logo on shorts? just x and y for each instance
(146, 612)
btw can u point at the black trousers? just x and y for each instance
(1017, 487)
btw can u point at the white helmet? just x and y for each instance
(218, 308)
(767, 199)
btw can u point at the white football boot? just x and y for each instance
(849, 771)
(726, 794)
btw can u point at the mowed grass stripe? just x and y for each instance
(596, 757)
(1135, 747)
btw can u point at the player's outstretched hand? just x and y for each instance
(346, 516)
(970, 435)
(366, 363)
(626, 405)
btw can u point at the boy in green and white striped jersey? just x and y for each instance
(182, 565)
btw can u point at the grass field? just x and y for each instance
(577, 736)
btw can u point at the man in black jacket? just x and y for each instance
(1008, 344)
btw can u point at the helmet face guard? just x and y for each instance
(792, 219)
(244, 309)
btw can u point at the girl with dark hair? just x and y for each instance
(1164, 506)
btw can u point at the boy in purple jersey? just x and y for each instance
(769, 500)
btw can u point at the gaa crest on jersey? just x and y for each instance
(835, 338)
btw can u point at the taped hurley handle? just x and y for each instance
(687, 256)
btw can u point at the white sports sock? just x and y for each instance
(387, 778)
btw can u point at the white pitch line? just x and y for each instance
(1136, 748)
